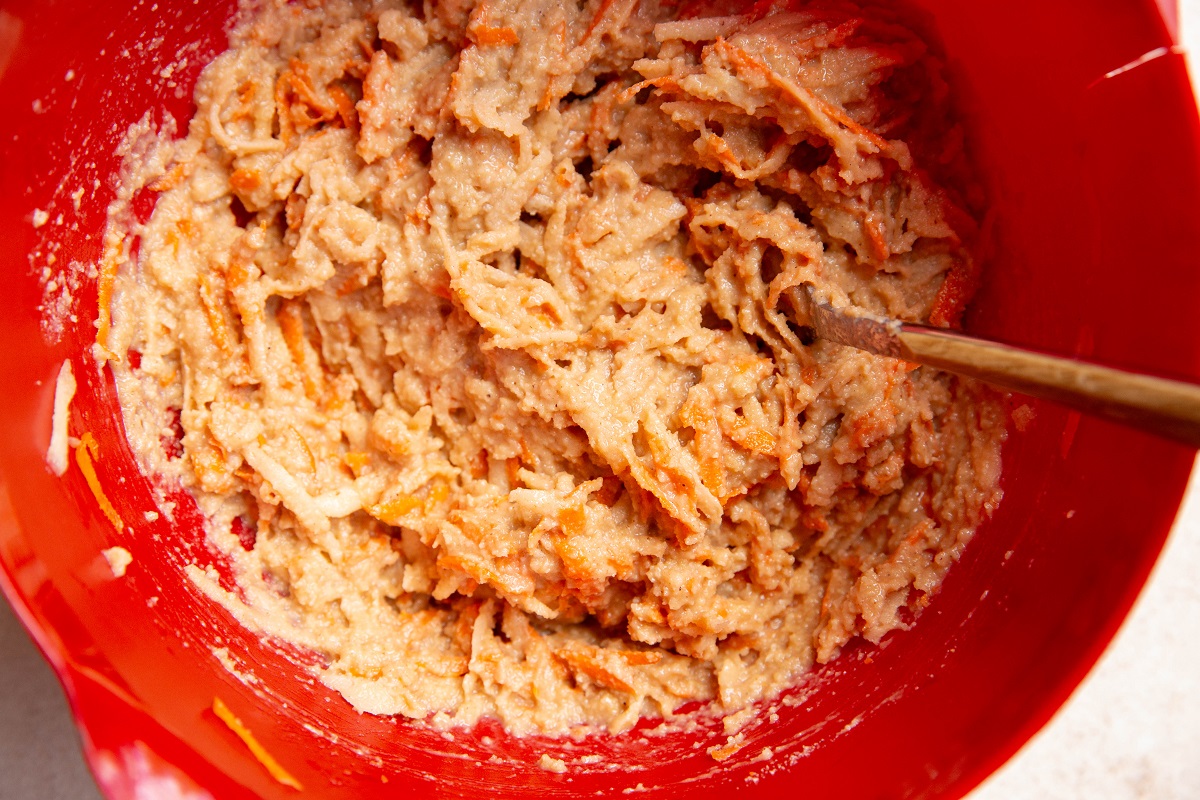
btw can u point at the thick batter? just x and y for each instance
(466, 326)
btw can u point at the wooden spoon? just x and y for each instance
(1168, 408)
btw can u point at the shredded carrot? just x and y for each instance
(464, 626)
(473, 566)
(655, 488)
(295, 84)
(357, 462)
(170, 179)
(873, 227)
(345, 106)
(237, 278)
(598, 18)
(209, 462)
(512, 469)
(245, 180)
(638, 658)
(393, 510)
(578, 566)
(484, 35)
(951, 299)
(104, 293)
(291, 326)
(920, 531)
(752, 437)
(708, 446)
(302, 84)
(573, 520)
(588, 663)
(283, 106)
(725, 751)
(88, 450)
(238, 274)
(744, 60)
(257, 750)
(246, 91)
(211, 301)
(597, 662)
(559, 35)
(665, 81)
(438, 494)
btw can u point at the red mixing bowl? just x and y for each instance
(1096, 183)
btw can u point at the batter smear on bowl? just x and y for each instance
(465, 325)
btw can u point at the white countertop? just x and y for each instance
(1131, 731)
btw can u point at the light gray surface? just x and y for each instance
(1131, 731)
(39, 748)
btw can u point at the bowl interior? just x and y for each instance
(1096, 188)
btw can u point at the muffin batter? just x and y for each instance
(466, 324)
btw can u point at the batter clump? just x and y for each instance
(466, 325)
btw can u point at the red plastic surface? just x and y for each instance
(1097, 192)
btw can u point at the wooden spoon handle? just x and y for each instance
(1166, 407)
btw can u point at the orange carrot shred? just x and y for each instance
(170, 179)
(394, 510)
(257, 750)
(484, 35)
(88, 450)
(104, 293)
